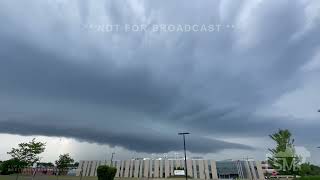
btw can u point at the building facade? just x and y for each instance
(164, 168)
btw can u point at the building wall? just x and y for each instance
(122, 168)
(214, 170)
(140, 168)
(171, 166)
(166, 167)
(126, 166)
(206, 169)
(194, 165)
(136, 168)
(260, 170)
(118, 169)
(146, 168)
(161, 168)
(201, 169)
(189, 167)
(197, 169)
(80, 167)
(248, 171)
(254, 173)
(156, 168)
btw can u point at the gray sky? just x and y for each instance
(131, 90)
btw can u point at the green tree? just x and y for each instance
(11, 166)
(284, 158)
(315, 170)
(308, 169)
(45, 164)
(63, 163)
(76, 164)
(28, 153)
(305, 169)
(106, 172)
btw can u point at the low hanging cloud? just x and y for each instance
(60, 75)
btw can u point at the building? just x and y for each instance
(164, 168)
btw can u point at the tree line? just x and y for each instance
(27, 155)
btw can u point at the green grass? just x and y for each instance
(13, 177)
(310, 178)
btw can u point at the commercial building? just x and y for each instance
(164, 168)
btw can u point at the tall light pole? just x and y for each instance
(112, 157)
(319, 112)
(185, 153)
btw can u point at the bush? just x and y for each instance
(106, 172)
(178, 168)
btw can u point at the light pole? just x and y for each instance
(319, 112)
(112, 157)
(185, 153)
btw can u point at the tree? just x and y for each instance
(11, 166)
(76, 164)
(46, 164)
(284, 158)
(64, 162)
(308, 169)
(106, 172)
(315, 170)
(28, 152)
(305, 169)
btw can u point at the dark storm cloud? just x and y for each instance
(137, 142)
(138, 89)
(45, 74)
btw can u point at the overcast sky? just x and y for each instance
(68, 79)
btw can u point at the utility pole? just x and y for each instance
(185, 153)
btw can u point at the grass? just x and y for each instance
(13, 177)
(310, 178)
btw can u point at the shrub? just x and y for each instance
(178, 168)
(106, 172)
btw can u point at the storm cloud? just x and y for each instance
(137, 89)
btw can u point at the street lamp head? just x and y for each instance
(182, 133)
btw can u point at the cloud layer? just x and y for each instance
(138, 89)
